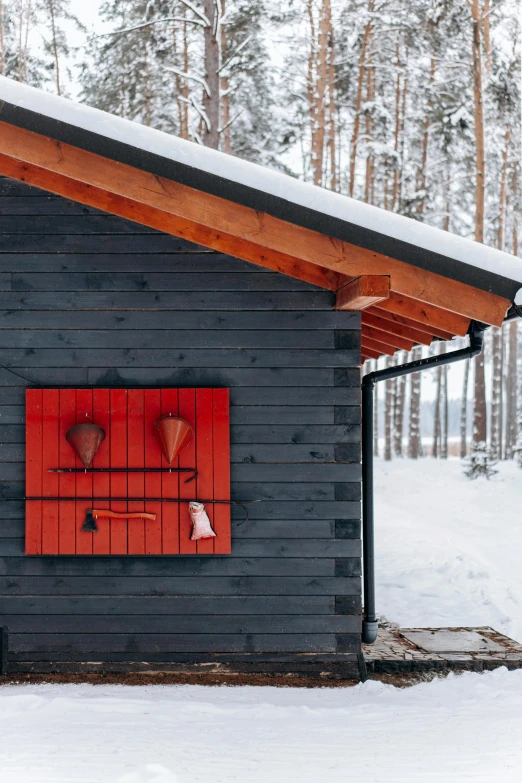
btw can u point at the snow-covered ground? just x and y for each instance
(449, 550)
(448, 554)
(446, 731)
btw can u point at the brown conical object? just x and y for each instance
(172, 434)
(85, 439)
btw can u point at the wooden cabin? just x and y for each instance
(143, 276)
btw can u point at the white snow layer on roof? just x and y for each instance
(263, 179)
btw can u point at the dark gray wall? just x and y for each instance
(89, 299)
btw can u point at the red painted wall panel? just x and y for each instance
(53, 527)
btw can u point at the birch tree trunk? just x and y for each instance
(331, 102)
(211, 99)
(226, 137)
(397, 130)
(511, 390)
(2, 40)
(400, 401)
(436, 414)
(367, 34)
(464, 412)
(497, 348)
(388, 413)
(498, 334)
(50, 4)
(444, 412)
(516, 397)
(319, 104)
(479, 456)
(480, 163)
(422, 176)
(182, 88)
(414, 439)
(24, 21)
(368, 125)
(376, 414)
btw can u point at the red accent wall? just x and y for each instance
(53, 527)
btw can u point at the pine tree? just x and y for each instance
(414, 436)
(389, 404)
(17, 60)
(479, 464)
(51, 15)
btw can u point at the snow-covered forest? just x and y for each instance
(410, 105)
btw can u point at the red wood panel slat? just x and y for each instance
(221, 460)
(187, 459)
(33, 471)
(50, 458)
(66, 481)
(136, 459)
(84, 542)
(170, 484)
(205, 478)
(118, 458)
(152, 480)
(101, 481)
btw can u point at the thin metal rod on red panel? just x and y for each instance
(242, 503)
(128, 470)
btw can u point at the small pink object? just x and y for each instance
(201, 527)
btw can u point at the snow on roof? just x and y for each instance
(263, 179)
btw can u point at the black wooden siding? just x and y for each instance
(90, 299)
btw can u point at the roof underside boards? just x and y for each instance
(125, 169)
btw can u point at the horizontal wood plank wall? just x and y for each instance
(87, 299)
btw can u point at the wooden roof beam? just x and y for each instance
(222, 218)
(393, 318)
(439, 322)
(392, 328)
(363, 292)
(376, 345)
(393, 340)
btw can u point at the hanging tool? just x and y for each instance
(92, 514)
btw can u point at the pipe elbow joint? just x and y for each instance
(476, 338)
(369, 631)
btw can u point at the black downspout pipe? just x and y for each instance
(476, 339)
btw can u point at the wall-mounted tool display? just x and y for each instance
(131, 447)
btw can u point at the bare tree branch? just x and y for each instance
(231, 120)
(239, 48)
(196, 11)
(200, 111)
(149, 24)
(192, 76)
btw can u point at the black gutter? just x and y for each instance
(476, 339)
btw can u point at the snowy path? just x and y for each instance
(449, 550)
(462, 728)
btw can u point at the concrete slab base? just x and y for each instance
(440, 649)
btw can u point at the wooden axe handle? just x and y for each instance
(122, 515)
